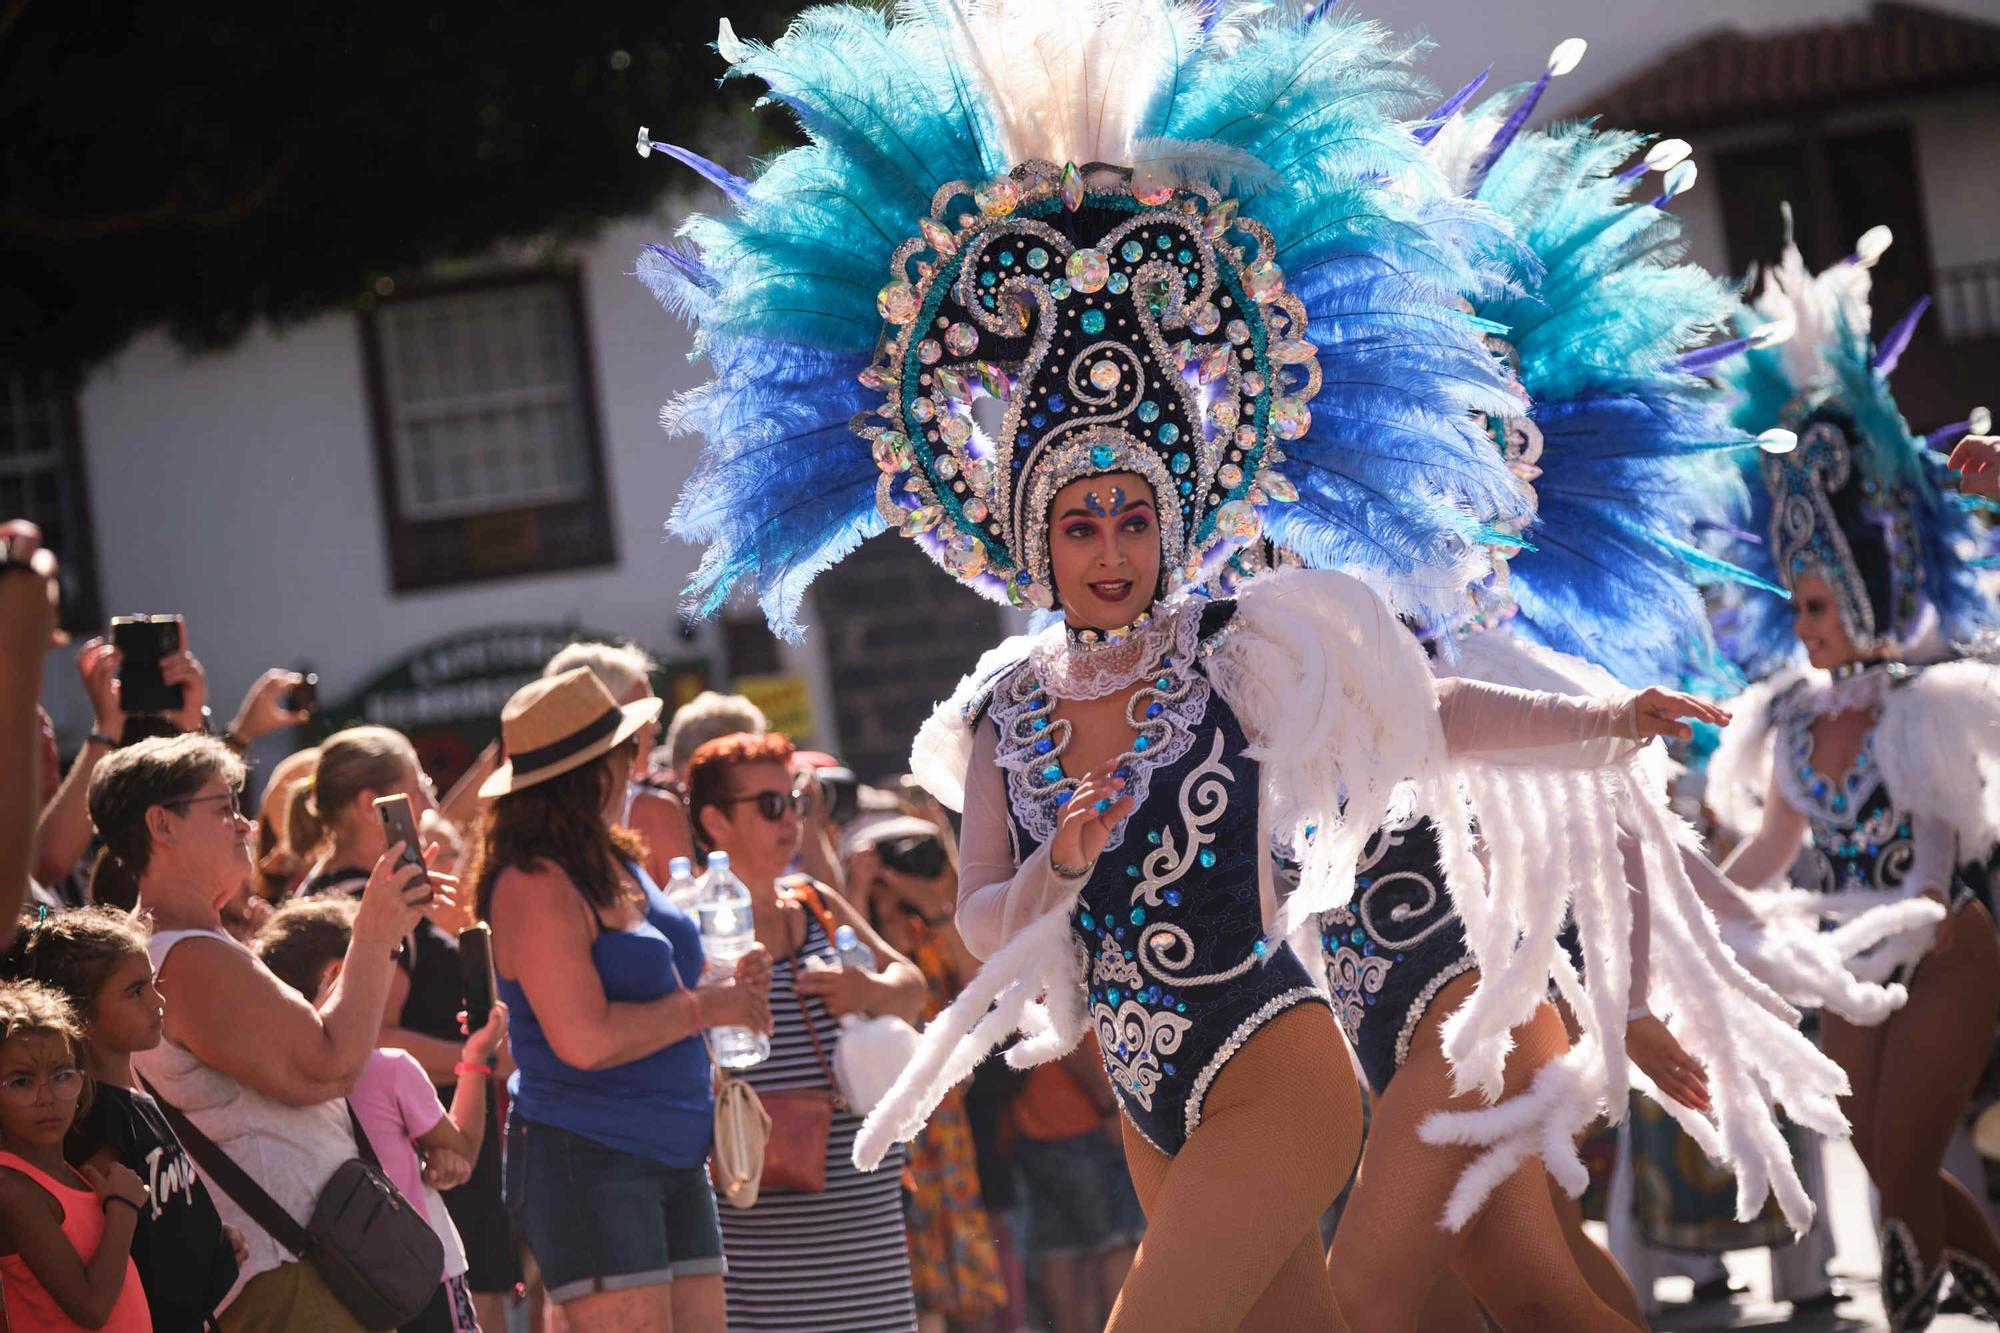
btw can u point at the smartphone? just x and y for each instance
(142, 641)
(303, 697)
(475, 974)
(399, 824)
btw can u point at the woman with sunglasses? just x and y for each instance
(249, 1060)
(838, 1259)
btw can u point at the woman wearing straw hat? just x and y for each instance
(613, 1103)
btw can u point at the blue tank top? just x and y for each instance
(660, 1106)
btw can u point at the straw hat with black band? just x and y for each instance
(559, 723)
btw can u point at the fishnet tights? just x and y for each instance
(1232, 1220)
(1912, 1078)
(1515, 1257)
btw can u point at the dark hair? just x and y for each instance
(134, 779)
(559, 820)
(303, 936)
(75, 951)
(708, 771)
(30, 1006)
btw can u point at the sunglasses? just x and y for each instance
(773, 805)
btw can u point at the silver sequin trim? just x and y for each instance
(1423, 1002)
(1264, 1013)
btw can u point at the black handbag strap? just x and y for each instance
(234, 1181)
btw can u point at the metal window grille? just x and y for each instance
(485, 400)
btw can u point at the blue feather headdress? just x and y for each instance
(1627, 429)
(1862, 501)
(1614, 427)
(1239, 295)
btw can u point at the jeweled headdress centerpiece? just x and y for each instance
(1118, 325)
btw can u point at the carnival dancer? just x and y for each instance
(1889, 773)
(1619, 442)
(1158, 385)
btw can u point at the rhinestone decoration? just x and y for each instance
(1117, 326)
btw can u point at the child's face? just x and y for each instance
(39, 1086)
(128, 1014)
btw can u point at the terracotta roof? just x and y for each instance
(1899, 50)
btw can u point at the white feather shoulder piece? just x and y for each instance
(942, 750)
(1938, 743)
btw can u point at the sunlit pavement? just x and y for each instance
(1856, 1264)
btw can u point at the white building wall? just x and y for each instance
(239, 488)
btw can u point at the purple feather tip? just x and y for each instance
(723, 179)
(1893, 343)
(686, 265)
(1450, 107)
(1702, 359)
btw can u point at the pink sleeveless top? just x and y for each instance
(30, 1308)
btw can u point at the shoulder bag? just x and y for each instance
(374, 1248)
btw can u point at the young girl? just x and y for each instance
(422, 1148)
(96, 956)
(65, 1237)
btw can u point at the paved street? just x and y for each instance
(1855, 1267)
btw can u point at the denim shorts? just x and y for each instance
(1080, 1197)
(597, 1219)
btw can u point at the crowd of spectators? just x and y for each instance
(221, 988)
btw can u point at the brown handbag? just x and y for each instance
(801, 1118)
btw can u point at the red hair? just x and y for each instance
(708, 769)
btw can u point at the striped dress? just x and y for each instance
(836, 1262)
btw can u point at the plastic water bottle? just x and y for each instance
(682, 888)
(853, 953)
(728, 931)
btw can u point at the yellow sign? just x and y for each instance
(786, 701)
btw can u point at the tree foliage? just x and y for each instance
(203, 165)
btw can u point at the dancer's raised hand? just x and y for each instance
(1093, 810)
(1658, 712)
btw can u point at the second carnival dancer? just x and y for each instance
(1597, 324)
(1158, 400)
(1888, 773)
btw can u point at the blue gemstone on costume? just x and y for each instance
(1058, 403)
(1131, 251)
(1207, 859)
(1088, 921)
(1180, 1008)
(1122, 773)
(1092, 321)
(1149, 411)
(1102, 805)
(1132, 871)
(1166, 242)
(1037, 420)
(1102, 456)
(1839, 803)
(1062, 797)
(1119, 932)
(1053, 773)
(1259, 948)
(1153, 836)
(988, 301)
(1044, 746)
(1112, 993)
(1185, 256)
(1006, 258)
(1138, 916)
(1154, 710)
(1163, 683)
(1169, 1070)
(1356, 936)
(988, 278)
(1187, 488)
(1118, 284)
(1142, 745)
(1180, 462)
(1041, 724)
(1168, 432)
(1173, 897)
